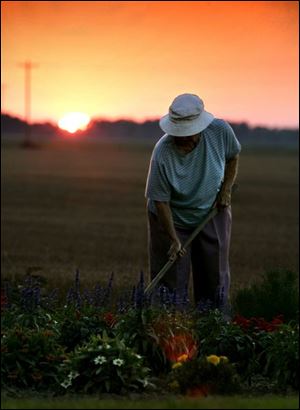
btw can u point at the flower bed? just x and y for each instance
(86, 343)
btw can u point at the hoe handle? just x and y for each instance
(170, 262)
(167, 266)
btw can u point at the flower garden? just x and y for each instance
(87, 341)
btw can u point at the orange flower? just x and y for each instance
(77, 314)
(48, 333)
(182, 358)
(180, 345)
(13, 375)
(213, 359)
(37, 376)
(50, 357)
(109, 319)
(3, 299)
(199, 391)
(175, 365)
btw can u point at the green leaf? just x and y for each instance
(19, 366)
(107, 385)
(119, 373)
(144, 344)
(88, 385)
(32, 362)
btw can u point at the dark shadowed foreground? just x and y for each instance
(267, 402)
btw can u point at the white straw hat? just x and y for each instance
(186, 116)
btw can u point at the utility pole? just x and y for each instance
(27, 65)
(3, 89)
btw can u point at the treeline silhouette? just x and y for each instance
(12, 125)
(150, 130)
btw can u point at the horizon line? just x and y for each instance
(147, 119)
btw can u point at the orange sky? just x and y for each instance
(129, 59)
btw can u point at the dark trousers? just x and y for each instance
(207, 257)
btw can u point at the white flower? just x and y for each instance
(138, 356)
(100, 360)
(108, 346)
(145, 382)
(73, 375)
(118, 362)
(66, 383)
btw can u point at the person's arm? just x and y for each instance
(231, 170)
(166, 219)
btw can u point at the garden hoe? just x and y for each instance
(213, 211)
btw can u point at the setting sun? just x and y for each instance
(74, 121)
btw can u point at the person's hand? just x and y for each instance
(224, 198)
(176, 249)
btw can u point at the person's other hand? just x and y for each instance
(176, 249)
(224, 198)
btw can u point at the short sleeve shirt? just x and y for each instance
(190, 182)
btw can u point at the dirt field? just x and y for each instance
(81, 204)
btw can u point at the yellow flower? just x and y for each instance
(174, 385)
(213, 359)
(182, 358)
(224, 359)
(175, 365)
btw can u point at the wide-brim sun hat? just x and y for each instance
(186, 116)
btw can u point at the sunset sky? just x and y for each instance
(129, 59)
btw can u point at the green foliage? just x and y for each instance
(30, 357)
(104, 364)
(254, 346)
(135, 327)
(220, 337)
(35, 343)
(204, 375)
(275, 294)
(280, 355)
(76, 327)
(38, 319)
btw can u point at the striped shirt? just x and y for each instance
(190, 182)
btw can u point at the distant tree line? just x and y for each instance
(14, 125)
(250, 136)
(125, 128)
